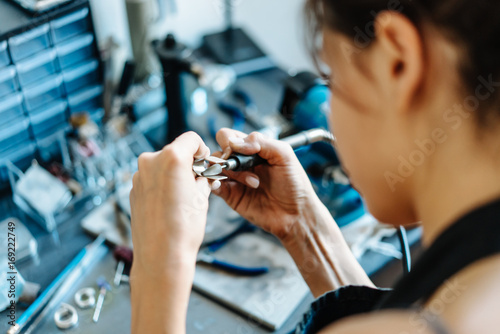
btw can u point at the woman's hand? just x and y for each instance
(169, 206)
(169, 213)
(273, 196)
(279, 198)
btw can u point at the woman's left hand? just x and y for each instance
(169, 207)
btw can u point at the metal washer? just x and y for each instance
(66, 316)
(85, 298)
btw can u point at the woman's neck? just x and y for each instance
(459, 179)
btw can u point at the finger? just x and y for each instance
(188, 146)
(274, 151)
(203, 186)
(249, 179)
(230, 192)
(145, 158)
(222, 138)
(215, 185)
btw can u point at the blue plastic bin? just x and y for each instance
(15, 134)
(8, 81)
(88, 99)
(4, 54)
(11, 109)
(75, 50)
(19, 156)
(42, 93)
(37, 68)
(81, 75)
(29, 43)
(70, 25)
(45, 121)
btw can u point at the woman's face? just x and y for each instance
(370, 139)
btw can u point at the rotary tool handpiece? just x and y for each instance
(239, 162)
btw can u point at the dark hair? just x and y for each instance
(475, 25)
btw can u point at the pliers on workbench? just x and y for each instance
(207, 257)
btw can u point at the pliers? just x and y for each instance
(212, 167)
(207, 257)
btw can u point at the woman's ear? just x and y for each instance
(399, 55)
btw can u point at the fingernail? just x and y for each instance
(236, 141)
(252, 182)
(227, 152)
(216, 185)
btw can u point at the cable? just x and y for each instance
(405, 249)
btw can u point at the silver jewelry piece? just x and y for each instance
(85, 298)
(66, 316)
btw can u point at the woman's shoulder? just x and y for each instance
(466, 303)
(471, 298)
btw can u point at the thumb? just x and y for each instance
(274, 151)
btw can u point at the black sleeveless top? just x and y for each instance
(472, 238)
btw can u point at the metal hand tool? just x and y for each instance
(209, 167)
(207, 258)
(103, 289)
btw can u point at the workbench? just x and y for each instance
(204, 315)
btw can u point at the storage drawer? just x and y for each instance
(37, 67)
(80, 76)
(4, 54)
(11, 109)
(88, 99)
(75, 50)
(49, 118)
(29, 43)
(8, 81)
(70, 26)
(19, 156)
(49, 146)
(15, 135)
(40, 94)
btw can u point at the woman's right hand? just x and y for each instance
(272, 196)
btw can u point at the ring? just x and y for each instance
(85, 298)
(66, 316)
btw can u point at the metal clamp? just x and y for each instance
(85, 298)
(66, 316)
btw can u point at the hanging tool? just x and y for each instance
(211, 167)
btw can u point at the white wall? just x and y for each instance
(276, 25)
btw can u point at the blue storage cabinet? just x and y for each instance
(29, 43)
(75, 50)
(37, 67)
(8, 81)
(4, 54)
(49, 119)
(21, 157)
(14, 135)
(38, 95)
(81, 76)
(49, 68)
(70, 25)
(11, 109)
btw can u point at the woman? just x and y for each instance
(415, 111)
